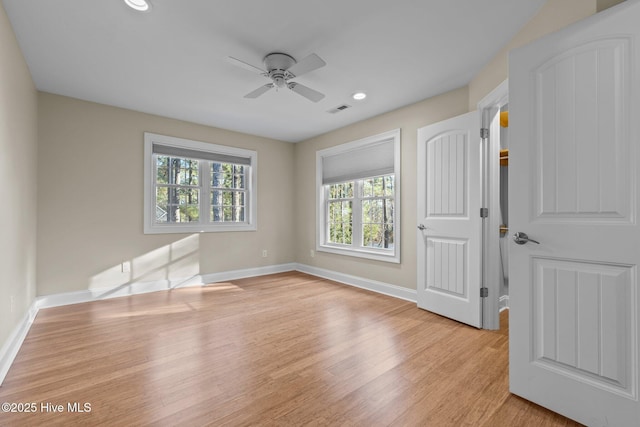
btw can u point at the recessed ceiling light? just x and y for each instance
(139, 5)
(359, 96)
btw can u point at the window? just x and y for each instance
(193, 186)
(358, 185)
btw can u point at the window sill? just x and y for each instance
(390, 256)
(167, 229)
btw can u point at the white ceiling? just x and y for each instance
(171, 61)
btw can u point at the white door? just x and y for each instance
(449, 233)
(574, 187)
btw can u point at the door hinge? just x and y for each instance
(484, 212)
(484, 292)
(484, 133)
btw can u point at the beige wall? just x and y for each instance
(18, 194)
(409, 119)
(554, 15)
(90, 183)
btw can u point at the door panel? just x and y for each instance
(582, 96)
(446, 173)
(574, 109)
(448, 207)
(580, 315)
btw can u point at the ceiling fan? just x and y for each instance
(281, 68)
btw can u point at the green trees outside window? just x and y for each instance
(178, 190)
(372, 200)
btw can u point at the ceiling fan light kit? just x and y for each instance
(280, 68)
(139, 5)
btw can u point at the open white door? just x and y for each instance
(573, 176)
(449, 233)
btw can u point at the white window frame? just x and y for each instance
(322, 194)
(203, 225)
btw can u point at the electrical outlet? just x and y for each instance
(264, 253)
(312, 253)
(126, 267)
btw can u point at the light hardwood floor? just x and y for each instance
(287, 349)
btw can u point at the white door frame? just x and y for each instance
(489, 108)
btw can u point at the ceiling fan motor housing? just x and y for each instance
(280, 68)
(277, 65)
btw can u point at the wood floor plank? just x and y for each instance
(287, 349)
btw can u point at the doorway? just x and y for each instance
(463, 268)
(503, 169)
(495, 230)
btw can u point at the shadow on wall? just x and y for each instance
(171, 266)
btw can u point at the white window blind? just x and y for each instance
(361, 162)
(168, 150)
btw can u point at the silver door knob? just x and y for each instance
(421, 227)
(522, 238)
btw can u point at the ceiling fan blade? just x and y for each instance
(310, 63)
(310, 94)
(262, 89)
(242, 64)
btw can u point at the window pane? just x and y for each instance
(335, 212)
(389, 183)
(341, 191)
(372, 210)
(215, 214)
(342, 234)
(388, 211)
(227, 213)
(227, 175)
(177, 205)
(388, 237)
(175, 170)
(162, 169)
(372, 235)
(377, 236)
(238, 214)
(367, 188)
(347, 212)
(238, 182)
(340, 222)
(379, 186)
(336, 233)
(227, 206)
(238, 198)
(347, 234)
(377, 223)
(228, 198)
(340, 213)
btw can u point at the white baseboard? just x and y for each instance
(248, 272)
(359, 282)
(503, 302)
(136, 288)
(12, 345)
